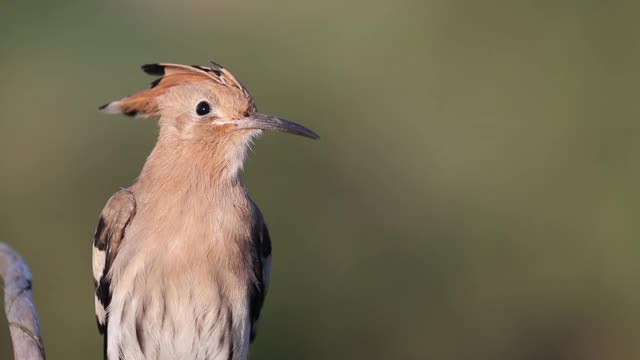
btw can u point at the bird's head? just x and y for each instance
(201, 103)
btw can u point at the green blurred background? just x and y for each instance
(474, 194)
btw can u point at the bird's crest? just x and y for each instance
(143, 103)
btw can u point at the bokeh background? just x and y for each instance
(474, 195)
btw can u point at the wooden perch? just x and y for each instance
(19, 307)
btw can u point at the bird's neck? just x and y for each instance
(203, 168)
(192, 193)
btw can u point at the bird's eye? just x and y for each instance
(203, 108)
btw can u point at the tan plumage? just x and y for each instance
(182, 258)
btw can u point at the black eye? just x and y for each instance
(203, 108)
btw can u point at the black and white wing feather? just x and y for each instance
(262, 273)
(115, 217)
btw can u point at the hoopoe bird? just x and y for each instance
(182, 258)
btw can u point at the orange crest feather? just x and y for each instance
(144, 104)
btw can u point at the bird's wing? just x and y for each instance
(262, 273)
(115, 217)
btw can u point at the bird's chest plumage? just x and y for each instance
(180, 283)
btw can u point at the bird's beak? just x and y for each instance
(260, 121)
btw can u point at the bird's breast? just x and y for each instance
(180, 283)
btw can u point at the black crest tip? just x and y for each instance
(153, 69)
(216, 64)
(207, 69)
(103, 106)
(155, 82)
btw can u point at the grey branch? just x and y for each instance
(18, 304)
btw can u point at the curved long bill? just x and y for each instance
(260, 121)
